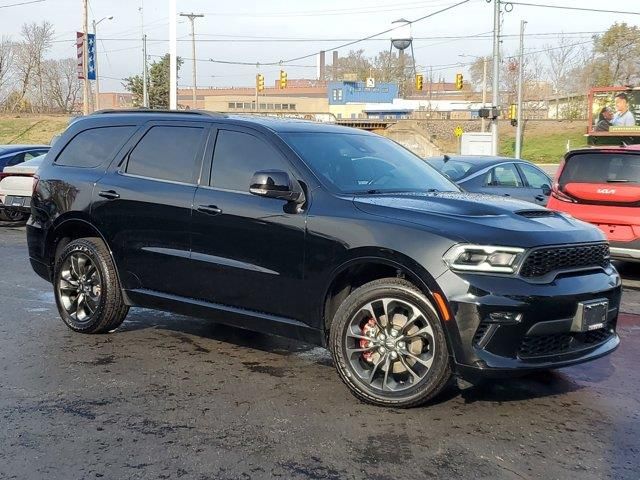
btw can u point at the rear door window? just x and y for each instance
(505, 175)
(168, 153)
(94, 147)
(604, 167)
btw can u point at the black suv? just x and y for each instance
(322, 233)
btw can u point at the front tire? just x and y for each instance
(389, 346)
(86, 287)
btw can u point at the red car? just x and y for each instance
(602, 186)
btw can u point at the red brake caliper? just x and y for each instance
(367, 328)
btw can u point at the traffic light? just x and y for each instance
(513, 114)
(459, 81)
(419, 81)
(283, 79)
(260, 82)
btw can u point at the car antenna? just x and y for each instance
(446, 158)
(624, 144)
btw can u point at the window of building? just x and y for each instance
(263, 106)
(238, 156)
(94, 147)
(292, 106)
(277, 106)
(167, 153)
(353, 115)
(269, 106)
(339, 94)
(285, 106)
(232, 105)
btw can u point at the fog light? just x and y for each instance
(505, 317)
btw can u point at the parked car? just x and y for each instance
(278, 226)
(503, 176)
(11, 155)
(16, 186)
(602, 186)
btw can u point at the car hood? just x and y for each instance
(481, 219)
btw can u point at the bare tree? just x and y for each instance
(6, 65)
(61, 84)
(30, 52)
(561, 59)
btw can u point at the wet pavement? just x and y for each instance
(168, 396)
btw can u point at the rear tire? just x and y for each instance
(86, 287)
(389, 346)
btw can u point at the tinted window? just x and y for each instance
(601, 168)
(238, 156)
(355, 163)
(504, 176)
(94, 147)
(167, 153)
(535, 178)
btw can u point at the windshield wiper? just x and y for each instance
(618, 181)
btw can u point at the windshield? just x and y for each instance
(603, 167)
(353, 163)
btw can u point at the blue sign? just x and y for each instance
(91, 52)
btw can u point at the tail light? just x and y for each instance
(558, 194)
(36, 179)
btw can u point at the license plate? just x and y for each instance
(594, 315)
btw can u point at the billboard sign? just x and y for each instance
(614, 111)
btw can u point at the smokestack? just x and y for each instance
(334, 67)
(321, 65)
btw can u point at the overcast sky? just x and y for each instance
(246, 31)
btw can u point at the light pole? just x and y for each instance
(518, 149)
(192, 17)
(484, 85)
(496, 76)
(95, 24)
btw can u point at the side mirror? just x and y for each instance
(546, 190)
(275, 184)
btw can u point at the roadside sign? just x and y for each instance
(371, 82)
(91, 53)
(458, 131)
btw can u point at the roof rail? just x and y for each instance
(150, 110)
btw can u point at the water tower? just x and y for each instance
(401, 39)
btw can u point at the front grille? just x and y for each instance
(544, 260)
(536, 213)
(562, 343)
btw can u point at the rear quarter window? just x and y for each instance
(603, 167)
(94, 147)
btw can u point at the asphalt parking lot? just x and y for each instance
(168, 396)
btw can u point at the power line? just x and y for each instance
(565, 7)
(345, 11)
(21, 3)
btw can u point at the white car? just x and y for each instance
(16, 186)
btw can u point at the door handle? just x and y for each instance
(209, 209)
(540, 198)
(109, 194)
(506, 195)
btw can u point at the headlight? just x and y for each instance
(484, 258)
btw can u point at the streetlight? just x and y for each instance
(95, 24)
(484, 84)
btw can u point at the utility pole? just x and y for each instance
(85, 57)
(483, 127)
(95, 37)
(496, 75)
(173, 59)
(192, 16)
(145, 80)
(519, 107)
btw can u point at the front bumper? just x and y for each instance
(541, 337)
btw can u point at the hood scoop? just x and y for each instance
(536, 213)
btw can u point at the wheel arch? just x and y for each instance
(64, 231)
(365, 265)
